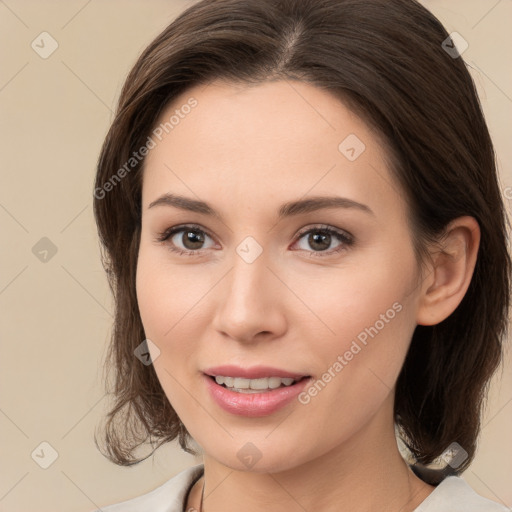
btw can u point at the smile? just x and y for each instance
(258, 397)
(241, 385)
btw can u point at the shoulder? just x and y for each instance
(168, 497)
(454, 494)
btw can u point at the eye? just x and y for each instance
(192, 237)
(320, 239)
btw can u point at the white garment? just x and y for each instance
(453, 494)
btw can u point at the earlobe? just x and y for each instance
(453, 261)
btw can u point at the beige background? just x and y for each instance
(55, 315)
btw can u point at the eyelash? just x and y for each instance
(343, 237)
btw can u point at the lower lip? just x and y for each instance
(254, 404)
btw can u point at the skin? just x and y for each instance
(246, 150)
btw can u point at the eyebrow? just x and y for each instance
(291, 208)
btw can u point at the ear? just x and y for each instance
(447, 279)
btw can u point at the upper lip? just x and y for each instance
(254, 372)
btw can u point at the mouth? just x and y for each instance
(259, 391)
(251, 386)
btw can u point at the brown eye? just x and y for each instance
(186, 240)
(191, 239)
(319, 240)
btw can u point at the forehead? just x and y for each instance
(285, 136)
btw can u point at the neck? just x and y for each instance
(365, 473)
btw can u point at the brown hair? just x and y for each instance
(386, 60)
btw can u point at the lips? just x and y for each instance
(259, 402)
(255, 372)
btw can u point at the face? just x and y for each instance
(322, 291)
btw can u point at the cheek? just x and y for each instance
(160, 307)
(165, 301)
(164, 297)
(362, 301)
(370, 314)
(357, 370)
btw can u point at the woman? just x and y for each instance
(304, 234)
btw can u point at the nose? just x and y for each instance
(251, 302)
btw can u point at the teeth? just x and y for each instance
(246, 385)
